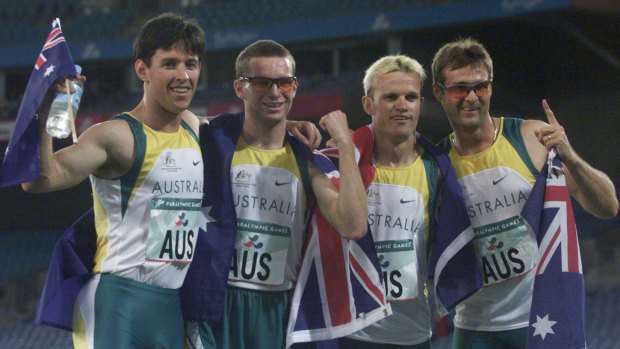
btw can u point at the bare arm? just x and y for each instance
(592, 188)
(104, 149)
(193, 120)
(344, 208)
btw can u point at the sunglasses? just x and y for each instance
(263, 84)
(480, 88)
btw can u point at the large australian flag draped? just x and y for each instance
(557, 313)
(21, 161)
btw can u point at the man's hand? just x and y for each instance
(306, 132)
(335, 123)
(57, 86)
(553, 136)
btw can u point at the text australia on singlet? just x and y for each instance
(396, 217)
(494, 199)
(265, 199)
(175, 207)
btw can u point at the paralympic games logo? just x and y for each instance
(253, 242)
(182, 221)
(493, 245)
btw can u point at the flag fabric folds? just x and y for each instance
(21, 161)
(339, 290)
(557, 312)
(453, 266)
(452, 263)
(70, 269)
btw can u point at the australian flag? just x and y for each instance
(557, 313)
(21, 161)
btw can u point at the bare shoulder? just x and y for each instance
(531, 125)
(536, 150)
(115, 139)
(192, 120)
(108, 132)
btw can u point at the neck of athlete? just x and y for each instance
(395, 153)
(474, 140)
(262, 135)
(157, 118)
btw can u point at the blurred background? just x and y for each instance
(565, 51)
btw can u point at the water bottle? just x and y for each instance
(58, 121)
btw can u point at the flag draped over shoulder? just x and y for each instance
(21, 161)
(452, 263)
(557, 312)
(339, 290)
(458, 276)
(339, 285)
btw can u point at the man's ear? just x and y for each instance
(368, 105)
(238, 85)
(142, 70)
(437, 92)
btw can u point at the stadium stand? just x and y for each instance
(577, 67)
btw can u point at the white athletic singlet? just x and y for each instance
(269, 201)
(398, 215)
(147, 220)
(496, 184)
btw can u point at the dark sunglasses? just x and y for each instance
(263, 84)
(480, 88)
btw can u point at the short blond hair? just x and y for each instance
(390, 64)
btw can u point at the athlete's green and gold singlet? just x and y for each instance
(496, 184)
(269, 201)
(147, 224)
(398, 215)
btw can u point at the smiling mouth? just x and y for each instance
(273, 105)
(399, 118)
(469, 109)
(180, 89)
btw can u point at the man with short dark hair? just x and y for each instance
(146, 172)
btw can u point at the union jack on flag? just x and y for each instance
(21, 161)
(557, 312)
(339, 290)
(54, 38)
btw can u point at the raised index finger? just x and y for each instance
(550, 116)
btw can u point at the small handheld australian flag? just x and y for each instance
(21, 161)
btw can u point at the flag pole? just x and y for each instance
(67, 84)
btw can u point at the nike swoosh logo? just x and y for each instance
(281, 183)
(406, 201)
(499, 180)
(195, 162)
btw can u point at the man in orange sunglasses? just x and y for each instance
(503, 156)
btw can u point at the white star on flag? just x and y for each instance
(49, 70)
(206, 211)
(543, 326)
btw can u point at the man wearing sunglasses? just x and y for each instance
(268, 183)
(499, 158)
